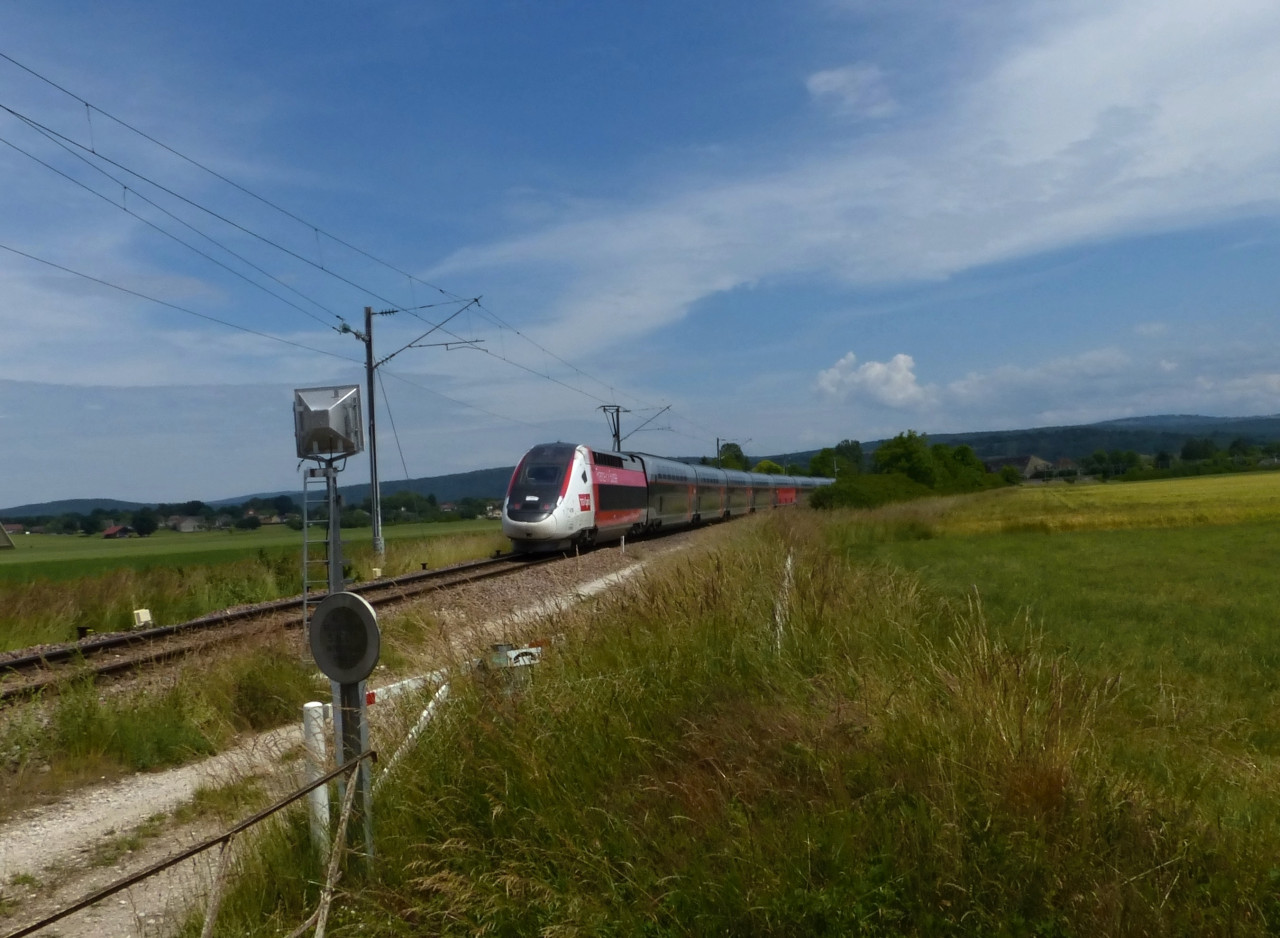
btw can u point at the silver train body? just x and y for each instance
(565, 494)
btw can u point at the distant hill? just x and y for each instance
(481, 483)
(70, 506)
(1146, 435)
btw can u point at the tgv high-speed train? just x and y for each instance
(565, 494)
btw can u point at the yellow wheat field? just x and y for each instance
(1219, 499)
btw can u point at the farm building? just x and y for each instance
(1027, 466)
(116, 531)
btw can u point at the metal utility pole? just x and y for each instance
(613, 413)
(375, 496)
(370, 366)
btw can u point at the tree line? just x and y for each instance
(1198, 456)
(148, 519)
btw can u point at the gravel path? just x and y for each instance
(53, 855)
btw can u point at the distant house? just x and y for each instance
(15, 529)
(117, 531)
(1027, 466)
(186, 524)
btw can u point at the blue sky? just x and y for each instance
(792, 222)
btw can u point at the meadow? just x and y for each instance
(1048, 711)
(53, 585)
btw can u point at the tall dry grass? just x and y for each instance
(704, 755)
(42, 610)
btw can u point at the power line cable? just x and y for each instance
(316, 229)
(386, 403)
(568, 364)
(452, 400)
(128, 211)
(212, 172)
(89, 108)
(196, 205)
(173, 306)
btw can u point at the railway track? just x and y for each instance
(28, 673)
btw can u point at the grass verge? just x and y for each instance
(84, 735)
(716, 753)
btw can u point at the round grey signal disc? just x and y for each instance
(344, 638)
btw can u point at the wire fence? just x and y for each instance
(318, 919)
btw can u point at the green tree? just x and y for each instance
(1199, 448)
(768, 467)
(851, 452)
(907, 453)
(829, 464)
(249, 523)
(732, 457)
(145, 522)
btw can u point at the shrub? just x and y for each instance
(869, 491)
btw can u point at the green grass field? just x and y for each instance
(1047, 711)
(67, 557)
(51, 586)
(1051, 712)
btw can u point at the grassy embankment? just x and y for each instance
(83, 735)
(907, 755)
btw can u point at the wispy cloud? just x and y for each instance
(1076, 131)
(858, 90)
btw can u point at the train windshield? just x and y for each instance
(539, 479)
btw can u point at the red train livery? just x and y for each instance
(562, 494)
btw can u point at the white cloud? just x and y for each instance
(892, 383)
(1073, 133)
(853, 90)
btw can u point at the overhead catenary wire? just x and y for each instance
(174, 306)
(72, 143)
(125, 208)
(395, 435)
(89, 107)
(198, 207)
(317, 230)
